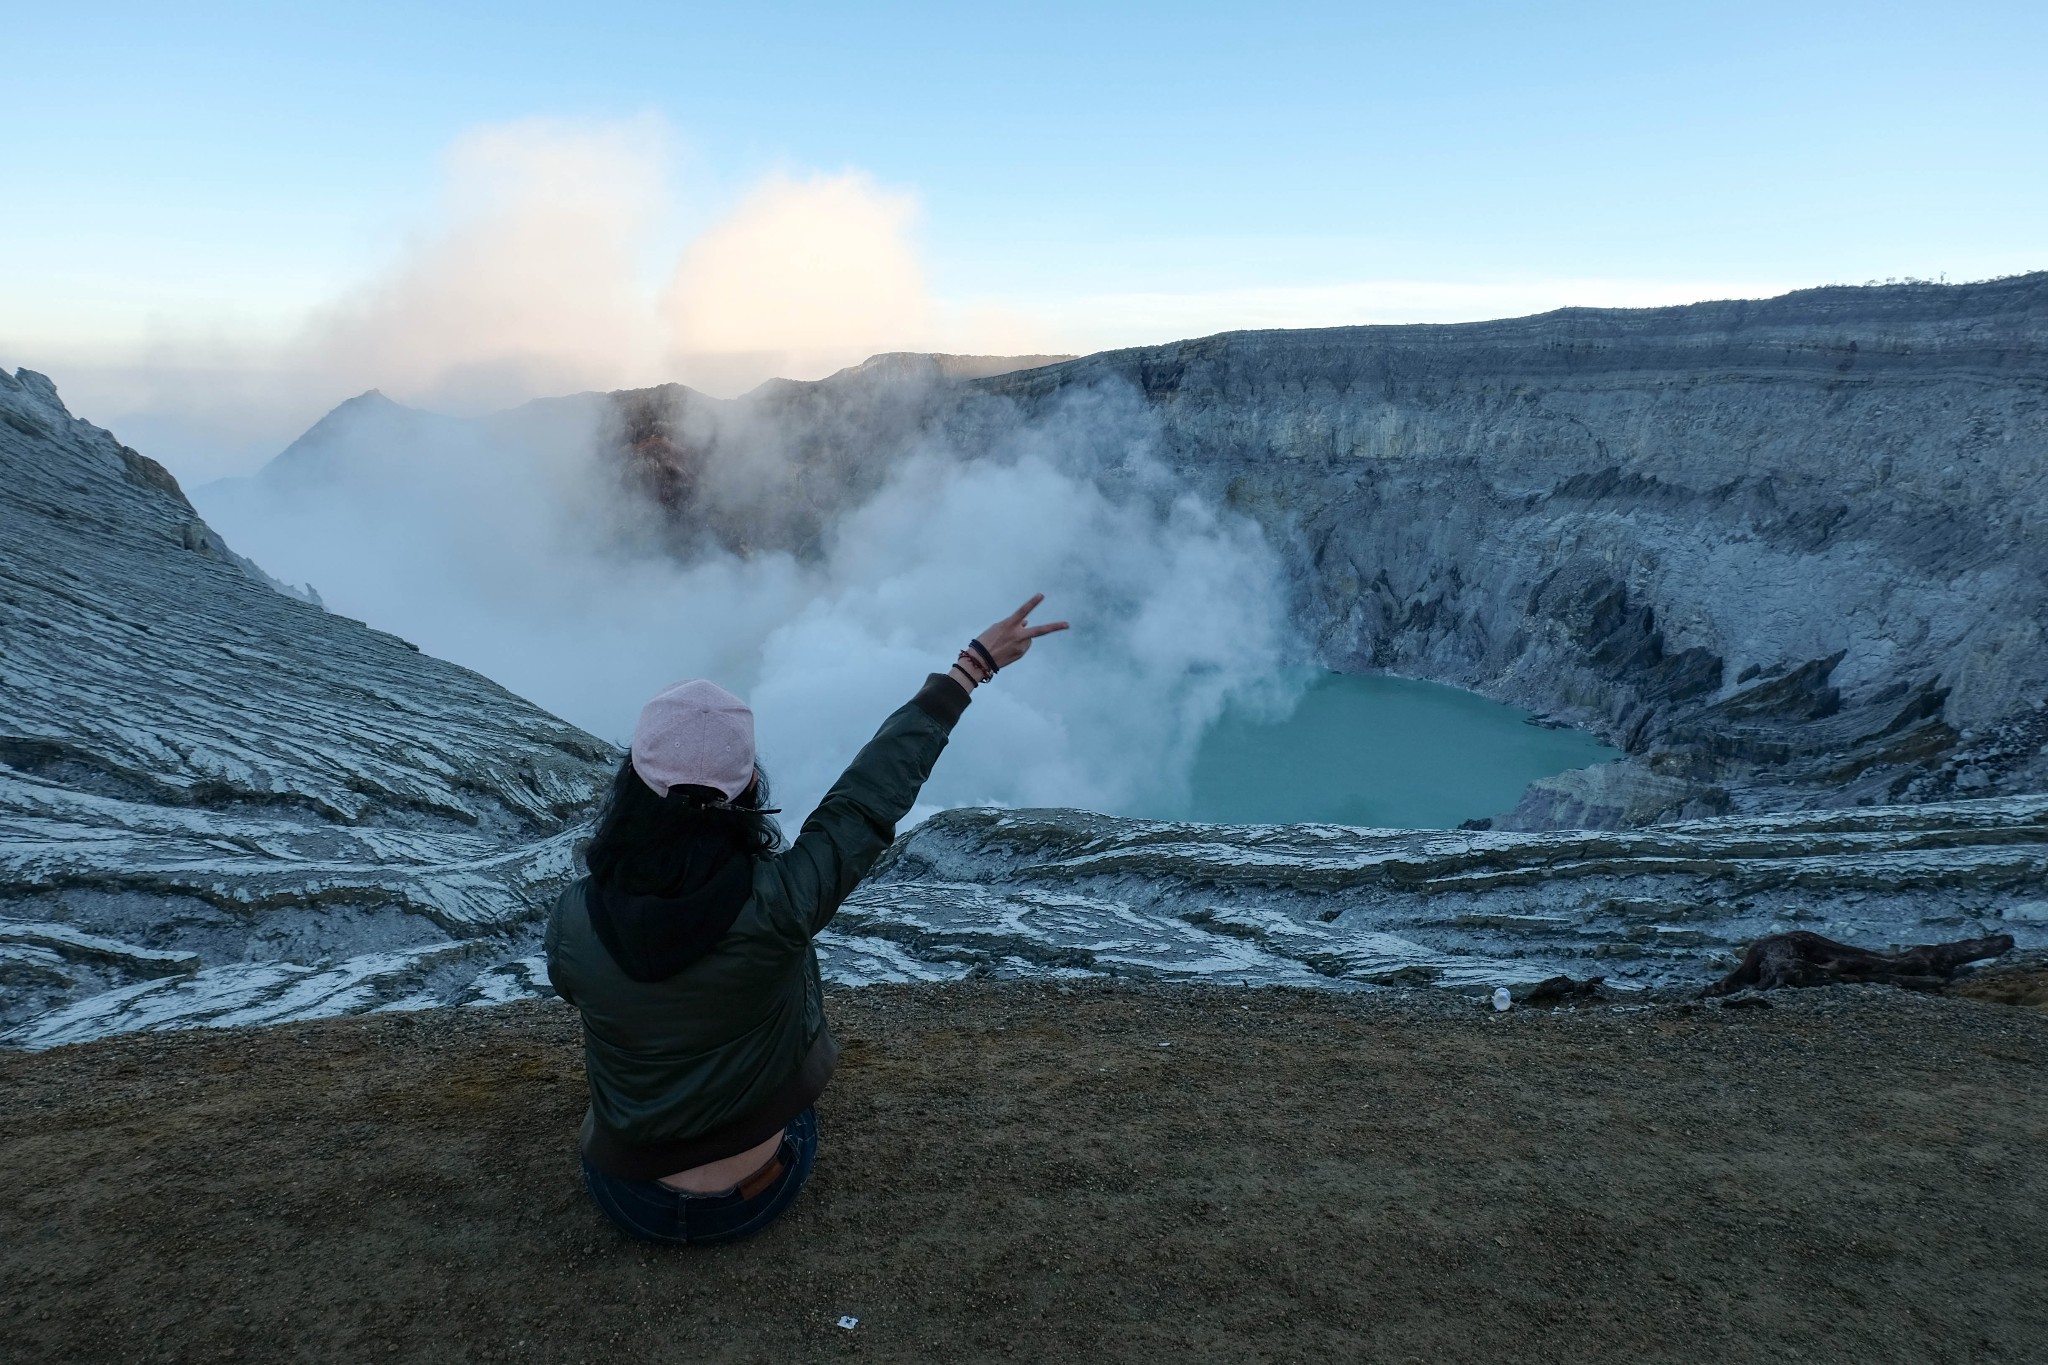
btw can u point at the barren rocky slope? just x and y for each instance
(214, 791)
(1019, 892)
(1784, 552)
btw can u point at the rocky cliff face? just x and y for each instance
(774, 468)
(1785, 553)
(213, 790)
(1033, 892)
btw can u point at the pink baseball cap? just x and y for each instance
(695, 734)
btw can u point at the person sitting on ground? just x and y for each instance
(687, 950)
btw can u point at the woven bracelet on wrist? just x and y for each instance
(979, 648)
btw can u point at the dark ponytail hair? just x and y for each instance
(645, 844)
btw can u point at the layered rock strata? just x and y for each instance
(1066, 894)
(203, 772)
(1782, 552)
(1031, 892)
(1785, 553)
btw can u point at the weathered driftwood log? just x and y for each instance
(1803, 959)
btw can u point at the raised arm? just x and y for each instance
(856, 821)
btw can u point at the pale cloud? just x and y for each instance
(527, 285)
(535, 279)
(525, 278)
(550, 264)
(535, 283)
(539, 273)
(803, 278)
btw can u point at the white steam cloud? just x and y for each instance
(526, 285)
(804, 277)
(509, 546)
(560, 258)
(566, 255)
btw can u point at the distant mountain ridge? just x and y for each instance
(370, 418)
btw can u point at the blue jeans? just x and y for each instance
(653, 1212)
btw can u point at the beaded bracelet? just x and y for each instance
(972, 667)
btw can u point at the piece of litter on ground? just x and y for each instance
(849, 1322)
(1166, 1045)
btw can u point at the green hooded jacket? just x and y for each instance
(720, 1056)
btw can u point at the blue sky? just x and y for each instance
(209, 176)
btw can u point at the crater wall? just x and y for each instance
(1785, 552)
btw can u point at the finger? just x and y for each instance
(1025, 610)
(1033, 632)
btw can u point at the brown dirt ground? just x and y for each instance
(1104, 1172)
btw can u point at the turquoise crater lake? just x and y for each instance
(1386, 752)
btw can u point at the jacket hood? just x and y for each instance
(652, 937)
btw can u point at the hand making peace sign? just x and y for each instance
(1008, 638)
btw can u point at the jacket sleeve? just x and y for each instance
(552, 943)
(856, 821)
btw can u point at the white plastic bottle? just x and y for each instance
(1501, 998)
